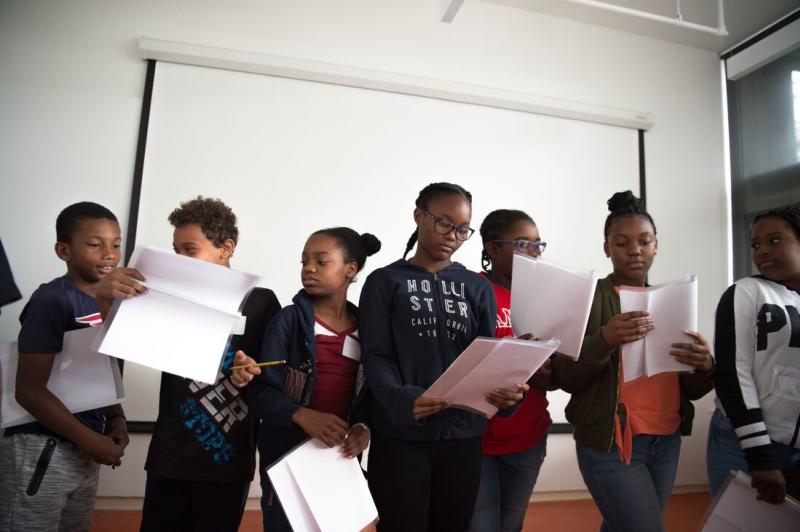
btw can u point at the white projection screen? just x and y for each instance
(292, 156)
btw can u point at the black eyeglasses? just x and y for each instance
(527, 245)
(443, 227)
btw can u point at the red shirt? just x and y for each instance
(338, 356)
(525, 429)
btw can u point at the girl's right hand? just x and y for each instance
(427, 406)
(328, 428)
(627, 327)
(770, 485)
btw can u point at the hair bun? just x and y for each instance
(624, 201)
(371, 243)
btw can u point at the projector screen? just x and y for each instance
(292, 156)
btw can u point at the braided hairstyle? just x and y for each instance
(625, 204)
(495, 225)
(432, 192)
(790, 215)
(356, 247)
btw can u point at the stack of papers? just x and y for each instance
(183, 323)
(320, 489)
(736, 509)
(488, 364)
(673, 309)
(550, 301)
(81, 378)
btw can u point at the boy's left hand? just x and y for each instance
(117, 430)
(357, 440)
(242, 377)
(502, 398)
(696, 354)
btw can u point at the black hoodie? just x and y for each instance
(413, 324)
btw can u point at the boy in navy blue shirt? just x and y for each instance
(88, 240)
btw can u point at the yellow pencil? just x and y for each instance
(271, 363)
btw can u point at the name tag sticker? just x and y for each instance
(352, 348)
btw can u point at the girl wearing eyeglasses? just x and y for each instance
(417, 316)
(513, 447)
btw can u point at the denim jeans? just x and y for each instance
(507, 482)
(724, 454)
(632, 497)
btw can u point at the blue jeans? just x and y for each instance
(632, 497)
(507, 482)
(724, 454)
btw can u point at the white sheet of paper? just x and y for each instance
(322, 490)
(489, 363)
(633, 364)
(737, 509)
(551, 301)
(183, 323)
(170, 334)
(203, 282)
(81, 378)
(673, 309)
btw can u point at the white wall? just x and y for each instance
(70, 97)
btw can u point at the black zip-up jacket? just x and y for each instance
(290, 337)
(413, 326)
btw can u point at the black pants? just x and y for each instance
(172, 505)
(424, 486)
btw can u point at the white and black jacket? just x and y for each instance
(757, 344)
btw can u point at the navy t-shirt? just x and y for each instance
(54, 309)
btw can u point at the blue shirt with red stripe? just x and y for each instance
(55, 308)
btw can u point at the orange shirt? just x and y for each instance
(652, 406)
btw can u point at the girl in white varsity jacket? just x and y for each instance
(757, 342)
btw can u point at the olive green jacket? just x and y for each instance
(592, 380)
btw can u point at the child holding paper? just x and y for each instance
(757, 340)
(628, 433)
(417, 316)
(317, 392)
(56, 458)
(513, 447)
(201, 458)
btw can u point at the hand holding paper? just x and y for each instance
(320, 490)
(488, 365)
(672, 307)
(182, 322)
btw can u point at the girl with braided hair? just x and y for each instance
(417, 316)
(513, 447)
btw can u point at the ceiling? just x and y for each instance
(743, 18)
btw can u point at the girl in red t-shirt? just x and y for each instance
(513, 447)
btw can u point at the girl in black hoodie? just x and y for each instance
(417, 316)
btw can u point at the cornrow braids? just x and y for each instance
(495, 225)
(623, 204)
(431, 192)
(790, 215)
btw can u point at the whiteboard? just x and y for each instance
(292, 156)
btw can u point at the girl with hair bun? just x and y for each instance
(628, 434)
(418, 315)
(319, 391)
